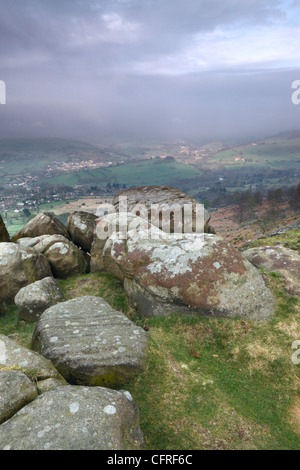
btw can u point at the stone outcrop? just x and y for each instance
(16, 391)
(196, 274)
(278, 259)
(42, 224)
(167, 198)
(19, 266)
(35, 298)
(75, 418)
(81, 227)
(64, 257)
(90, 343)
(4, 236)
(14, 356)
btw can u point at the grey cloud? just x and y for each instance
(69, 69)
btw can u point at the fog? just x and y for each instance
(148, 70)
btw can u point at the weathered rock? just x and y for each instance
(34, 299)
(75, 418)
(4, 236)
(19, 266)
(168, 199)
(81, 227)
(64, 257)
(90, 343)
(16, 391)
(278, 259)
(106, 226)
(42, 224)
(31, 242)
(198, 274)
(49, 384)
(15, 356)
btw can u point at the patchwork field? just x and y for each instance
(147, 172)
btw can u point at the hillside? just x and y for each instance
(144, 172)
(278, 152)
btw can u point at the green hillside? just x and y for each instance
(278, 152)
(147, 172)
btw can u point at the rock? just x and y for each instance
(197, 274)
(81, 227)
(105, 227)
(12, 355)
(49, 384)
(19, 266)
(75, 418)
(34, 299)
(42, 224)
(4, 236)
(65, 258)
(278, 259)
(16, 391)
(90, 343)
(165, 197)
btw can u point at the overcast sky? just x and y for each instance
(117, 70)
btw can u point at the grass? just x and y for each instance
(290, 239)
(209, 383)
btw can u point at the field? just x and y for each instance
(147, 172)
(277, 152)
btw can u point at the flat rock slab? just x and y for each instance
(90, 343)
(75, 418)
(34, 299)
(13, 355)
(16, 391)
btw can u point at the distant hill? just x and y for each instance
(33, 156)
(279, 152)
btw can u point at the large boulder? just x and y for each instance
(16, 391)
(278, 259)
(168, 200)
(198, 274)
(19, 266)
(90, 343)
(64, 257)
(75, 418)
(42, 224)
(4, 236)
(81, 227)
(34, 299)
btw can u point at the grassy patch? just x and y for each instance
(99, 284)
(290, 239)
(11, 325)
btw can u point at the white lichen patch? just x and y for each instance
(110, 410)
(74, 408)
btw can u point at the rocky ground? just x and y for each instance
(170, 343)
